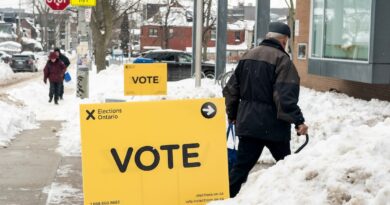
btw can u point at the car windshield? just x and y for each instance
(151, 55)
(20, 57)
(185, 58)
(161, 56)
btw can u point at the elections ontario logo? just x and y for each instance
(103, 114)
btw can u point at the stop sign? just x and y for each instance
(57, 4)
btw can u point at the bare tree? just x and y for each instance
(105, 15)
(209, 21)
(43, 13)
(164, 19)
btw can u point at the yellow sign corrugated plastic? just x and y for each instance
(145, 79)
(83, 2)
(149, 153)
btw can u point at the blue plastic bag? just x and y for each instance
(67, 77)
(232, 153)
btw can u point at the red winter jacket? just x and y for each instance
(54, 71)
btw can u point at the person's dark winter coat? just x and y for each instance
(54, 71)
(66, 61)
(63, 58)
(262, 94)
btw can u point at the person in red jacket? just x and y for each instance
(54, 71)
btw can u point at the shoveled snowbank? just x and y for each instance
(347, 160)
(6, 73)
(14, 119)
(352, 167)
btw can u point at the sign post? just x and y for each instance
(166, 152)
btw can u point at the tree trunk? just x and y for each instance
(100, 57)
(207, 27)
(98, 25)
(204, 53)
(46, 33)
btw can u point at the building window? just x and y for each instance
(302, 51)
(152, 32)
(341, 29)
(213, 35)
(237, 36)
(171, 32)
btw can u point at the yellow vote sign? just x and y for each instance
(83, 2)
(154, 153)
(145, 79)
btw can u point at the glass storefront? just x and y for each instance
(341, 29)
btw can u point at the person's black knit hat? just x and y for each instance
(58, 50)
(279, 27)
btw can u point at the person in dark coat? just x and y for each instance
(66, 61)
(261, 100)
(54, 71)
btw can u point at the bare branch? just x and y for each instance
(133, 7)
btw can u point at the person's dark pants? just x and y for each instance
(61, 94)
(249, 151)
(54, 91)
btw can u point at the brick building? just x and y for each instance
(179, 28)
(339, 53)
(181, 37)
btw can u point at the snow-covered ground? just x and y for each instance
(346, 162)
(14, 119)
(6, 72)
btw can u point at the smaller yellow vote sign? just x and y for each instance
(83, 2)
(145, 79)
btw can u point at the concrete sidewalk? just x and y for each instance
(32, 173)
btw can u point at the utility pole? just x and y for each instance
(19, 21)
(262, 20)
(194, 34)
(34, 12)
(198, 42)
(221, 38)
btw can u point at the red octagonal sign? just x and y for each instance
(57, 4)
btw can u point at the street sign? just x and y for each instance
(149, 153)
(88, 14)
(83, 2)
(145, 79)
(57, 4)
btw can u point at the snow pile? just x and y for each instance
(184, 89)
(14, 119)
(36, 96)
(346, 161)
(6, 72)
(10, 46)
(352, 167)
(100, 91)
(29, 41)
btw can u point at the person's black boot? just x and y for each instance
(50, 99)
(56, 102)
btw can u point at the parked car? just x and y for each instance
(4, 57)
(179, 63)
(23, 62)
